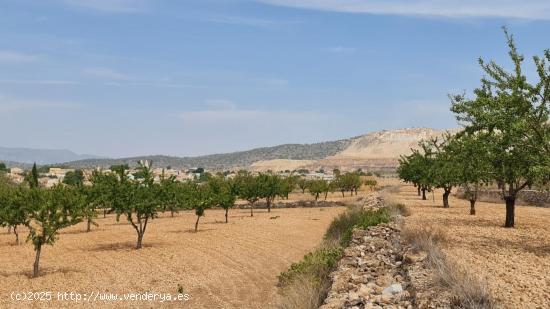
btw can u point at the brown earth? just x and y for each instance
(515, 262)
(232, 265)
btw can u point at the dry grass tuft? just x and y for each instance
(424, 238)
(398, 209)
(469, 290)
(305, 292)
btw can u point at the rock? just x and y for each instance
(411, 257)
(386, 299)
(333, 303)
(353, 296)
(393, 289)
(364, 291)
(384, 280)
(357, 233)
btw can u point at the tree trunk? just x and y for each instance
(424, 194)
(172, 213)
(268, 205)
(252, 209)
(342, 193)
(89, 225)
(226, 212)
(472, 207)
(510, 210)
(35, 271)
(9, 229)
(16, 234)
(140, 240)
(104, 213)
(197, 224)
(418, 189)
(326, 194)
(446, 193)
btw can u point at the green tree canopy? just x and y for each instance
(511, 115)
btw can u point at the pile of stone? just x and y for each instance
(378, 271)
(372, 202)
(371, 273)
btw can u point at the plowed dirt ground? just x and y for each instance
(515, 262)
(232, 265)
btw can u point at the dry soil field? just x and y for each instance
(515, 262)
(232, 265)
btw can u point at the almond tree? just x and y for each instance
(12, 208)
(49, 211)
(443, 171)
(137, 200)
(104, 189)
(472, 165)
(371, 183)
(287, 185)
(415, 168)
(89, 208)
(168, 194)
(199, 197)
(224, 193)
(76, 179)
(248, 188)
(302, 184)
(316, 187)
(269, 187)
(512, 115)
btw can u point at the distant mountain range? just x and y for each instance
(40, 156)
(229, 160)
(373, 151)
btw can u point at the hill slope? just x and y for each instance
(374, 151)
(230, 160)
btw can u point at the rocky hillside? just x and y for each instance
(242, 159)
(373, 151)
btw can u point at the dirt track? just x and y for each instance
(515, 262)
(232, 265)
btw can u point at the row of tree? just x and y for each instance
(139, 199)
(505, 139)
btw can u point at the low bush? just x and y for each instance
(341, 227)
(318, 263)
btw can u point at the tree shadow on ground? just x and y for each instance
(118, 223)
(44, 271)
(216, 222)
(190, 231)
(81, 231)
(124, 246)
(22, 241)
(540, 250)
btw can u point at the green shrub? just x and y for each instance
(318, 263)
(340, 229)
(342, 224)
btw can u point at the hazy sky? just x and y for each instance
(132, 77)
